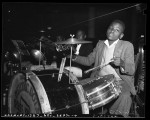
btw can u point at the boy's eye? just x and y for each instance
(115, 30)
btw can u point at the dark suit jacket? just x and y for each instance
(124, 50)
(84, 50)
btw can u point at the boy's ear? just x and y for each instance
(121, 36)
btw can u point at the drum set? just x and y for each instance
(47, 89)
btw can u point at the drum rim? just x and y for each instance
(45, 108)
(80, 91)
(99, 88)
(10, 90)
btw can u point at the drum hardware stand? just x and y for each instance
(134, 107)
(20, 58)
(135, 98)
(136, 101)
(70, 60)
(27, 76)
(44, 64)
(40, 47)
(10, 68)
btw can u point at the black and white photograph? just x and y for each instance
(73, 60)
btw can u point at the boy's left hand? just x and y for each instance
(117, 61)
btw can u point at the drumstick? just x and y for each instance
(87, 71)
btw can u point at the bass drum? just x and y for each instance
(40, 92)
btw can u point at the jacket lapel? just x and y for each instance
(101, 48)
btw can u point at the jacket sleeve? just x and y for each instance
(129, 66)
(89, 49)
(89, 60)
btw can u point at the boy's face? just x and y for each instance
(114, 31)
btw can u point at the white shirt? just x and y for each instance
(106, 58)
(77, 49)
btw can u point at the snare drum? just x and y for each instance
(40, 92)
(100, 91)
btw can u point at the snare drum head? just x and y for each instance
(98, 82)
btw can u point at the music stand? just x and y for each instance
(21, 48)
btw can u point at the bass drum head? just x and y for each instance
(42, 93)
(22, 97)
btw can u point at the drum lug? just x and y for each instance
(89, 102)
(53, 75)
(91, 106)
(27, 76)
(99, 77)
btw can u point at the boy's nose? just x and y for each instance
(112, 31)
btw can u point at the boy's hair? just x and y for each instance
(121, 23)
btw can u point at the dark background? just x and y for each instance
(24, 21)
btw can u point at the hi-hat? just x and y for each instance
(73, 41)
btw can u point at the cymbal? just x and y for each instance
(73, 41)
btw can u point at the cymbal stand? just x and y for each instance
(40, 48)
(70, 59)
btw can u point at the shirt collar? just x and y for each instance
(107, 43)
